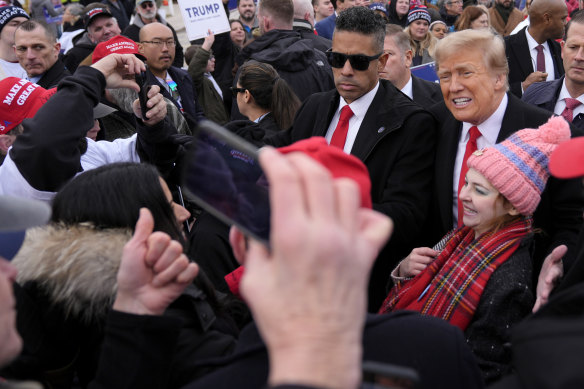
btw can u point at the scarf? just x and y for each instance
(504, 12)
(452, 285)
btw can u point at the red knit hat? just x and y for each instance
(20, 99)
(119, 45)
(337, 162)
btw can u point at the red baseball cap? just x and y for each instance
(119, 45)
(20, 99)
(339, 163)
(567, 160)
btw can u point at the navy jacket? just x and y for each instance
(326, 26)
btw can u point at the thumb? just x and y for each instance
(559, 252)
(144, 227)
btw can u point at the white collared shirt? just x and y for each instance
(359, 108)
(408, 90)
(549, 62)
(489, 132)
(561, 103)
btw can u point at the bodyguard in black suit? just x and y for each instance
(547, 21)
(395, 139)
(464, 75)
(397, 69)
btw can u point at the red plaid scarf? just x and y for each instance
(452, 285)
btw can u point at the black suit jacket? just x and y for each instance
(545, 95)
(55, 74)
(519, 59)
(559, 214)
(426, 93)
(396, 141)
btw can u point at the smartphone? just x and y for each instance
(377, 375)
(224, 177)
(143, 94)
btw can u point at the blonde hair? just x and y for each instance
(429, 43)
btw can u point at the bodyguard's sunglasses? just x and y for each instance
(357, 61)
(235, 91)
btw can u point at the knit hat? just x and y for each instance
(10, 12)
(518, 166)
(20, 99)
(378, 7)
(435, 22)
(337, 162)
(118, 44)
(94, 10)
(419, 13)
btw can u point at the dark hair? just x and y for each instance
(269, 91)
(111, 197)
(577, 17)
(469, 15)
(192, 50)
(33, 24)
(364, 21)
(280, 10)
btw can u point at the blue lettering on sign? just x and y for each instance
(202, 10)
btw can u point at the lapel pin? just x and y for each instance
(381, 129)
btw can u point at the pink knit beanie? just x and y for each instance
(518, 166)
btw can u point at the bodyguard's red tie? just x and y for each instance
(471, 147)
(340, 134)
(568, 112)
(540, 59)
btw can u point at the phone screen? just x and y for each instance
(224, 177)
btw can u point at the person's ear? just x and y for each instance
(247, 97)
(382, 62)
(6, 141)
(408, 58)
(238, 243)
(513, 211)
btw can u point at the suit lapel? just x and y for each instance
(445, 157)
(513, 119)
(374, 127)
(556, 53)
(521, 50)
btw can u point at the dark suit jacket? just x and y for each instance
(426, 93)
(519, 59)
(326, 26)
(559, 214)
(189, 99)
(545, 95)
(55, 74)
(396, 142)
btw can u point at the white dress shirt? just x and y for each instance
(561, 103)
(408, 90)
(549, 62)
(359, 108)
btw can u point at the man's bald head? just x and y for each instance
(304, 10)
(547, 19)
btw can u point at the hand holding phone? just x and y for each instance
(143, 94)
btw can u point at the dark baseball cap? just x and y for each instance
(95, 10)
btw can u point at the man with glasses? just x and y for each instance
(157, 45)
(504, 16)
(450, 11)
(372, 120)
(146, 13)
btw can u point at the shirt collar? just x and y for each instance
(532, 43)
(408, 90)
(564, 94)
(489, 128)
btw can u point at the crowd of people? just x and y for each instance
(434, 228)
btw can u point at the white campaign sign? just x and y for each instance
(199, 16)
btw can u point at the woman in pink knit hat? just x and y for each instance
(478, 277)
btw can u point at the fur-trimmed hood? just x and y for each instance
(76, 266)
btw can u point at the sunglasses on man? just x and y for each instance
(147, 4)
(357, 61)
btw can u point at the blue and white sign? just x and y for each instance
(426, 71)
(199, 16)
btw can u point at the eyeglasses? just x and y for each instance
(147, 4)
(235, 91)
(357, 61)
(159, 43)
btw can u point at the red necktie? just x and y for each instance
(471, 147)
(568, 112)
(540, 59)
(340, 134)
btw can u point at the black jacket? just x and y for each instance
(189, 99)
(559, 214)
(307, 32)
(520, 63)
(426, 93)
(55, 74)
(83, 48)
(545, 95)
(296, 60)
(396, 141)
